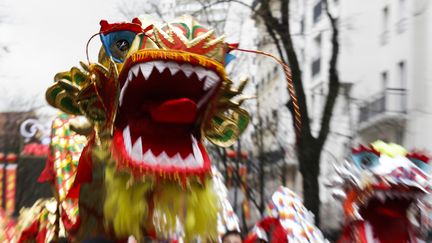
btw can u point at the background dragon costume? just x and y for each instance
(380, 189)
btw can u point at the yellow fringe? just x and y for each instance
(125, 205)
(126, 208)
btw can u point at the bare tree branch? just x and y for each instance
(333, 79)
(284, 11)
(276, 41)
(133, 9)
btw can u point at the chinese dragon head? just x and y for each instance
(156, 92)
(379, 190)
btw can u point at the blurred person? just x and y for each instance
(232, 237)
(97, 239)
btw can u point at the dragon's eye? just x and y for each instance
(122, 45)
(366, 160)
(117, 44)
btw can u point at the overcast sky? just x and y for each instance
(44, 37)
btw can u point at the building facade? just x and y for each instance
(392, 81)
(385, 48)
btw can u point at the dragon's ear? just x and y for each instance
(228, 120)
(61, 94)
(225, 129)
(85, 91)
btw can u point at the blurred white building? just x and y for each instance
(385, 49)
(386, 56)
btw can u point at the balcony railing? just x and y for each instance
(390, 101)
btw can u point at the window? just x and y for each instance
(385, 18)
(317, 11)
(402, 9)
(302, 25)
(302, 54)
(275, 114)
(316, 61)
(384, 80)
(402, 75)
(385, 25)
(317, 98)
(402, 15)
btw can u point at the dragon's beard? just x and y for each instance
(140, 208)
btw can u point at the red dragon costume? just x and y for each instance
(156, 92)
(381, 190)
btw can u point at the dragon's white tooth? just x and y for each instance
(127, 139)
(159, 65)
(122, 93)
(149, 157)
(146, 69)
(173, 67)
(356, 214)
(381, 196)
(212, 75)
(189, 161)
(135, 70)
(201, 73)
(163, 159)
(338, 194)
(137, 153)
(197, 152)
(210, 82)
(187, 69)
(130, 76)
(177, 160)
(369, 233)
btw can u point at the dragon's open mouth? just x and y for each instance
(386, 211)
(160, 104)
(389, 203)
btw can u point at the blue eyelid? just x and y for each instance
(373, 158)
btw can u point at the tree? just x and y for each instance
(135, 8)
(265, 169)
(131, 9)
(308, 146)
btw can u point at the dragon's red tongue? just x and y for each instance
(178, 111)
(390, 212)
